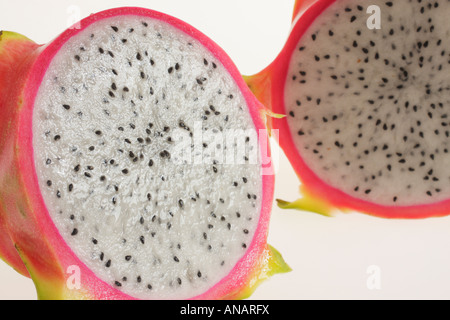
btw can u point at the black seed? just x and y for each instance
(70, 187)
(125, 171)
(142, 239)
(175, 258)
(74, 232)
(115, 28)
(108, 264)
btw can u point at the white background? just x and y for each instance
(330, 257)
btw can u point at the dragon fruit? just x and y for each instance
(134, 163)
(364, 93)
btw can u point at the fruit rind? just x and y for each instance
(14, 50)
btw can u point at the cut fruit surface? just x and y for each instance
(364, 88)
(136, 154)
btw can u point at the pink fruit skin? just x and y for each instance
(268, 86)
(12, 49)
(25, 216)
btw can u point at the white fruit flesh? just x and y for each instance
(369, 109)
(118, 104)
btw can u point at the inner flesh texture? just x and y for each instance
(369, 109)
(131, 126)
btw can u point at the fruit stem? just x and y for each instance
(261, 86)
(307, 203)
(271, 263)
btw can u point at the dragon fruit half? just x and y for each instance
(134, 163)
(364, 88)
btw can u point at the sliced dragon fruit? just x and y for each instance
(364, 90)
(134, 163)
